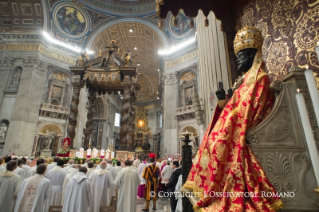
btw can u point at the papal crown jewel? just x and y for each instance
(248, 37)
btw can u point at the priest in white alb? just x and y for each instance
(140, 169)
(53, 164)
(19, 170)
(137, 162)
(101, 180)
(69, 166)
(33, 170)
(9, 187)
(75, 170)
(127, 182)
(113, 171)
(57, 176)
(78, 193)
(34, 193)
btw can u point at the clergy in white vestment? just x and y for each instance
(34, 193)
(88, 153)
(69, 166)
(141, 187)
(179, 206)
(25, 167)
(2, 167)
(57, 176)
(137, 162)
(113, 171)
(53, 164)
(118, 166)
(9, 187)
(98, 166)
(102, 153)
(101, 180)
(19, 170)
(81, 152)
(90, 168)
(107, 153)
(78, 193)
(166, 174)
(86, 163)
(94, 152)
(75, 170)
(127, 182)
(33, 170)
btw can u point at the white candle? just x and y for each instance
(313, 90)
(317, 49)
(309, 135)
(112, 154)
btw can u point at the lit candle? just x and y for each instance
(313, 90)
(309, 134)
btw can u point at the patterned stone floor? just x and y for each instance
(162, 205)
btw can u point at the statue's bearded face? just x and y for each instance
(245, 59)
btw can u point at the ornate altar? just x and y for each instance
(103, 74)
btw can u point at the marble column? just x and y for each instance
(170, 122)
(26, 108)
(212, 62)
(81, 118)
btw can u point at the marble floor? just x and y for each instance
(162, 205)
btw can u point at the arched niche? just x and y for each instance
(42, 131)
(15, 77)
(187, 86)
(194, 135)
(4, 126)
(58, 89)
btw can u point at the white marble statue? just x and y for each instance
(3, 132)
(81, 152)
(48, 139)
(102, 152)
(107, 153)
(16, 78)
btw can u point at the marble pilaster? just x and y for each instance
(20, 137)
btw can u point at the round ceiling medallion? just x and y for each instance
(71, 21)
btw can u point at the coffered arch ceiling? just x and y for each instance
(144, 43)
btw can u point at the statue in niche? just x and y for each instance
(16, 77)
(83, 59)
(188, 100)
(49, 137)
(3, 133)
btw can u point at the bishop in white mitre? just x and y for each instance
(102, 153)
(57, 176)
(9, 186)
(81, 152)
(74, 171)
(127, 182)
(34, 193)
(107, 153)
(78, 193)
(101, 180)
(113, 171)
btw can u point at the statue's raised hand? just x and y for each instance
(220, 93)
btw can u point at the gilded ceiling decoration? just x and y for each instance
(290, 30)
(17, 16)
(122, 7)
(143, 42)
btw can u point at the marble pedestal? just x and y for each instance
(121, 154)
(46, 153)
